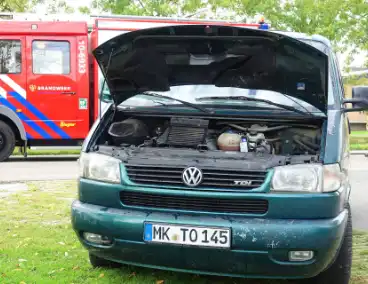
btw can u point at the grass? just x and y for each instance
(359, 133)
(37, 245)
(36, 152)
(359, 140)
(358, 147)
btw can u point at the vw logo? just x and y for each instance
(192, 176)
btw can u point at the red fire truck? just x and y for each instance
(49, 82)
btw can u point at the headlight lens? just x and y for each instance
(99, 167)
(307, 178)
(332, 177)
(297, 178)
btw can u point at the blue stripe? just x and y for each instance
(40, 115)
(148, 232)
(26, 119)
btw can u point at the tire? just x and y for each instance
(101, 262)
(340, 270)
(7, 141)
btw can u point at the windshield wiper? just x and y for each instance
(244, 98)
(178, 100)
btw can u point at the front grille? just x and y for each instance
(191, 203)
(212, 178)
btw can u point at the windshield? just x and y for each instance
(191, 94)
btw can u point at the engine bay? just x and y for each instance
(275, 138)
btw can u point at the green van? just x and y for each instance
(222, 151)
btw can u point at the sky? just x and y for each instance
(77, 3)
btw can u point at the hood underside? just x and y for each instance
(223, 56)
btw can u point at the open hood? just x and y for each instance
(158, 58)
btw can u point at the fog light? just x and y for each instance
(301, 255)
(97, 239)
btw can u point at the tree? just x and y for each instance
(84, 10)
(55, 6)
(162, 8)
(138, 7)
(14, 5)
(52, 6)
(340, 20)
(357, 17)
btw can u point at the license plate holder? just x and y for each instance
(186, 235)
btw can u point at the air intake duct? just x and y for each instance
(184, 132)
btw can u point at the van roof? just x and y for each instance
(305, 37)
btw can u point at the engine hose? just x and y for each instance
(305, 140)
(238, 127)
(275, 128)
(300, 143)
(261, 130)
(273, 139)
(310, 144)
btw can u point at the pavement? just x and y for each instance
(359, 194)
(359, 152)
(39, 168)
(65, 168)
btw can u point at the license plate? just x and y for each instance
(187, 235)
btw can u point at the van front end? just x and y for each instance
(287, 235)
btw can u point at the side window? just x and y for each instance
(335, 78)
(10, 57)
(51, 57)
(339, 76)
(105, 93)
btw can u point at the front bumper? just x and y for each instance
(259, 246)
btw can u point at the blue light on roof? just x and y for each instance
(264, 27)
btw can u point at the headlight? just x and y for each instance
(332, 177)
(307, 178)
(99, 167)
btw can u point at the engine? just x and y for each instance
(243, 142)
(216, 135)
(273, 139)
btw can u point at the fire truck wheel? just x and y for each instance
(7, 141)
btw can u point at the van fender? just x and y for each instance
(7, 112)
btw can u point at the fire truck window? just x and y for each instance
(10, 57)
(51, 57)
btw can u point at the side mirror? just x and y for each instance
(359, 99)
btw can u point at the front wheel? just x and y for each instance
(7, 141)
(339, 272)
(101, 262)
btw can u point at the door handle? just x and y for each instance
(68, 93)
